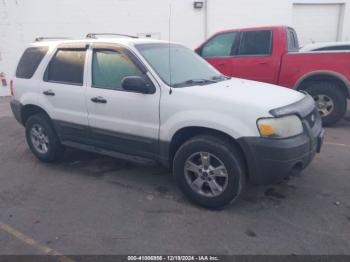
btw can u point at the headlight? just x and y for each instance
(281, 127)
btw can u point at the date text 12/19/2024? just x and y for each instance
(173, 258)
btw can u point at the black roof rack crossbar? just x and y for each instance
(38, 39)
(94, 35)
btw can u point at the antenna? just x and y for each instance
(169, 47)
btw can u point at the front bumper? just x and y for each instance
(271, 160)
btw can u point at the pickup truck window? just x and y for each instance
(220, 45)
(178, 66)
(292, 40)
(109, 67)
(67, 66)
(255, 43)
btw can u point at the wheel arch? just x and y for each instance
(29, 110)
(332, 76)
(184, 134)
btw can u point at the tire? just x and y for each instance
(218, 150)
(325, 93)
(39, 131)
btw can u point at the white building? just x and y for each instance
(23, 20)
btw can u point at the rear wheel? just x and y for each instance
(330, 101)
(209, 171)
(42, 139)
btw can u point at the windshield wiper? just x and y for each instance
(203, 81)
(221, 77)
(195, 82)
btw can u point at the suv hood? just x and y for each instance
(232, 106)
(246, 93)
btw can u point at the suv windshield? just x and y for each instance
(179, 66)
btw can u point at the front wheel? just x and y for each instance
(209, 171)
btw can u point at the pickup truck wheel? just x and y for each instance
(330, 101)
(209, 171)
(42, 139)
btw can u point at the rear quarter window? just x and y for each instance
(292, 40)
(30, 61)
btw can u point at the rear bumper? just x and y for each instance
(16, 108)
(271, 160)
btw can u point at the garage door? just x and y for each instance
(316, 22)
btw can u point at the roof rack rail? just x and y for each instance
(38, 39)
(94, 35)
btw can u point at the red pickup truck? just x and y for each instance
(271, 54)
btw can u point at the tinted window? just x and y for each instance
(334, 48)
(67, 66)
(255, 43)
(219, 46)
(292, 40)
(110, 67)
(30, 61)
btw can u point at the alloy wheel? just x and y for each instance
(206, 174)
(39, 139)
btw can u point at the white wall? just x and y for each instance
(225, 14)
(23, 20)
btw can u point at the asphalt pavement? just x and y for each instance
(92, 204)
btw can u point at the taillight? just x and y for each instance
(3, 79)
(11, 88)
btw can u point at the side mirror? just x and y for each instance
(137, 84)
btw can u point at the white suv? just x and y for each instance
(144, 99)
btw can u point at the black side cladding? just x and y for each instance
(16, 108)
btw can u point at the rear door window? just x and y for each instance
(255, 43)
(67, 66)
(220, 46)
(30, 61)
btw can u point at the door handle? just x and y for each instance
(262, 63)
(222, 64)
(99, 99)
(49, 93)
